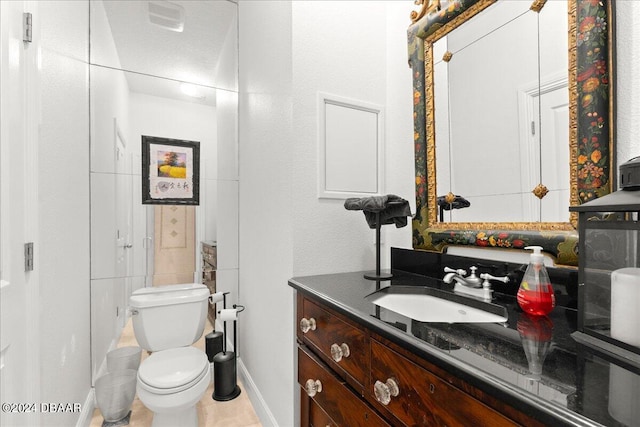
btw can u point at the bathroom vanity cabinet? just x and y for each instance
(349, 375)
(361, 364)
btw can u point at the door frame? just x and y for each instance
(26, 176)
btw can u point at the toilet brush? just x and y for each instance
(225, 384)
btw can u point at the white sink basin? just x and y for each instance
(425, 304)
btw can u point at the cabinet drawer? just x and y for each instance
(318, 417)
(344, 347)
(423, 398)
(339, 403)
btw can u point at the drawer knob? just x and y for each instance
(307, 325)
(339, 351)
(385, 391)
(312, 387)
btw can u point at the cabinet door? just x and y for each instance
(338, 402)
(343, 346)
(414, 396)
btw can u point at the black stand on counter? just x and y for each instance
(377, 275)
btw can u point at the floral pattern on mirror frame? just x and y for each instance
(416, 33)
(593, 89)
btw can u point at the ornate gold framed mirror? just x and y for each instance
(584, 138)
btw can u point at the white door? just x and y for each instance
(142, 240)
(555, 155)
(19, 373)
(544, 150)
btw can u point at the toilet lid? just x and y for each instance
(173, 370)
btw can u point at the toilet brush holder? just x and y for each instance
(225, 375)
(225, 372)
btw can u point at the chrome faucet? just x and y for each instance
(472, 285)
(471, 281)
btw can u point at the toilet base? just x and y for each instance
(185, 418)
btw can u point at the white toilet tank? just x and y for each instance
(169, 316)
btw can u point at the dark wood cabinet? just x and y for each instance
(412, 396)
(318, 417)
(377, 383)
(340, 405)
(342, 345)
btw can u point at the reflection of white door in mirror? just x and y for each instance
(544, 153)
(141, 238)
(123, 204)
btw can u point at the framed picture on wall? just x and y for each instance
(170, 171)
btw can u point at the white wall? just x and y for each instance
(109, 102)
(63, 186)
(224, 182)
(370, 66)
(266, 143)
(284, 229)
(167, 118)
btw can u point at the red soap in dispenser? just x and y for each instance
(535, 295)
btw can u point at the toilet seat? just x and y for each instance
(173, 370)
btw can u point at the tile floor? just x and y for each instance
(234, 413)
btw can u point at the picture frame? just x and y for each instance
(170, 171)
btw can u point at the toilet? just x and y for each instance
(166, 321)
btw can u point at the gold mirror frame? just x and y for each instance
(590, 128)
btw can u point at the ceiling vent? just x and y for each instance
(167, 15)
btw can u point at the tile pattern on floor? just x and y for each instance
(234, 413)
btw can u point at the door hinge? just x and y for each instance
(533, 128)
(28, 256)
(27, 27)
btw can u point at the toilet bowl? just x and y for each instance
(166, 321)
(171, 382)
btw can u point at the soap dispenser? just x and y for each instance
(535, 295)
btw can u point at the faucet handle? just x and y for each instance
(460, 271)
(486, 277)
(473, 279)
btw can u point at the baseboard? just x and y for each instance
(259, 405)
(87, 409)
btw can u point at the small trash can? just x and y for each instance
(115, 392)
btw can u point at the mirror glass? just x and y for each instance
(501, 115)
(163, 69)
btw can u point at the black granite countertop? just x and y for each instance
(576, 387)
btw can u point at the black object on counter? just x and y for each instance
(380, 210)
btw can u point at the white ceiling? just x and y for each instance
(192, 55)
